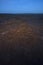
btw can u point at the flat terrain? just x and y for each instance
(21, 39)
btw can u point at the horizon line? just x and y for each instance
(21, 13)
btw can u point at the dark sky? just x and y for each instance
(21, 6)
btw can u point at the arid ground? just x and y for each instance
(21, 39)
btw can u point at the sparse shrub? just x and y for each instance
(20, 45)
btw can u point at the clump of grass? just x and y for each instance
(21, 34)
(19, 42)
